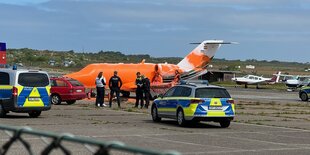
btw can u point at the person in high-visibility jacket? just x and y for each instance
(100, 84)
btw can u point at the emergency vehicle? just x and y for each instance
(304, 93)
(24, 91)
(192, 102)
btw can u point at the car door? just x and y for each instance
(33, 89)
(172, 101)
(181, 98)
(163, 108)
(61, 88)
(5, 87)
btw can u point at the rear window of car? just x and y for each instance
(75, 83)
(33, 79)
(211, 93)
(5, 78)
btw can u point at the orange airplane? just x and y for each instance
(193, 65)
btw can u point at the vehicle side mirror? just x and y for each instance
(160, 95)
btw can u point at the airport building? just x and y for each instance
(218, 75)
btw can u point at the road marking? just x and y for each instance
(187, 143)
(279, 127)
(242, 150)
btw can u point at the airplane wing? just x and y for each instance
(188, 75)
(194, 73)
(159, 88)
(304, 76)
(285, 75)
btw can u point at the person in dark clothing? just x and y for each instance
(146, 90)
(115, 84)
(139, 91)
(100, 84)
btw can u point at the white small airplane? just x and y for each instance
(294, 81)
(254, 80)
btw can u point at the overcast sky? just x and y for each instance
(265, 29)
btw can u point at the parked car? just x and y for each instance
(195, 102)
(24, 91)
(304, 93)
(65, 89)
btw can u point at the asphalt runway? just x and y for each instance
(264, 94)
(136, 128)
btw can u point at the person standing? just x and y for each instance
(177, 78)
(146, 90)
(139, 91)
(157, 79)
(115, 84)
(100, 84)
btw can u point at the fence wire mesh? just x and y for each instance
(24, 140)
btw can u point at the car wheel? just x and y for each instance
(180, 118)
(71, 102)
(225, 123)
(154, 113)
(34, 114)
(2, 112)
(304, 97)
(55, 99)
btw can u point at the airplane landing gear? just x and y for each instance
(125, 93)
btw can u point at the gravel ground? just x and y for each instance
(267, 122)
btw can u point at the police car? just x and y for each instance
(24, 91)
(195, 102)
(304, 93)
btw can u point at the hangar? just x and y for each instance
(218, 75)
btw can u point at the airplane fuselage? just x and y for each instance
(193, 65)
(127, 72)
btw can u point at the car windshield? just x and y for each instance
(211, 93)
(33, 79)
(75, 83)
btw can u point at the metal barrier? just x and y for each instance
(103, 147)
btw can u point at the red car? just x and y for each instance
(65, 89)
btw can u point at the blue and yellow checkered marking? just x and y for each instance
(307, 90)
(5, 91)
(24, 93)
(195, 109)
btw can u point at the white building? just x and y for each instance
(250, 67)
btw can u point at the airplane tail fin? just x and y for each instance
(276, 77)
(201, 55)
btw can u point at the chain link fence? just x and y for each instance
(63, 143)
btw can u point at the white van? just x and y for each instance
(24, 91)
